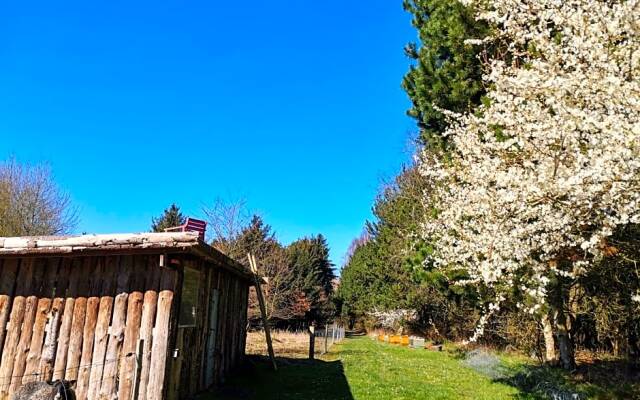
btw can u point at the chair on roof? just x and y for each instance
(191, 225)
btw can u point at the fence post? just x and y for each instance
(312, 342)
(326, 338)
(333, 333)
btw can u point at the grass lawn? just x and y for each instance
(362, 369)
(381, 371)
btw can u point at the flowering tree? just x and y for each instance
(542, 174)
(393, 319)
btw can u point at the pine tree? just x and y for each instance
(313, 275)
(170, 217)
(446, 71)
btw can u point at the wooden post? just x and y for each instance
(326, 338)
(333, 333)
(136, 372)
(312, 342)
(263, 310)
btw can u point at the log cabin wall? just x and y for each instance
(214, 345)
(101, 321)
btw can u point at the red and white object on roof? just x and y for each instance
(191, 225)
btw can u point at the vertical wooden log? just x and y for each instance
(109, 387)
(10, 346)
(54, 319)
(7, 285)
(149, 307)
(245, 309)
(222, 315)
(129, 363)
(219, 349)
(88, 337)
(312, 342)
(22, 351)
(159, 351)
(50, 269)
(136, 376)
(64, 337)
(100, 346)
(13, 331)
(174, 379)
(131, 337)
(263, 311)
(102, 329)
(51, 339)
(74, 353)
(90, 322)
(32, 371)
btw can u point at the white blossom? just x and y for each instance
(392, 319)
(539, 179)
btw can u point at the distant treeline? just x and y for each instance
(299, 277)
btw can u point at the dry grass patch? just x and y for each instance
(285, 344)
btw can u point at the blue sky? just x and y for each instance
(294, 105)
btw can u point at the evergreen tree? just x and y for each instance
(387, 270)
(309, 262)
(446, 71)
(256, 238)
(170, 217)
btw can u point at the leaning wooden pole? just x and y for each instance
(263, 309)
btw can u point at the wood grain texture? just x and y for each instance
(90, 322)
(7, 285)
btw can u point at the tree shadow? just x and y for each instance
(295, 379)
(600, 379)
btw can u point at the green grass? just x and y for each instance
(381, 371)
(363, 369)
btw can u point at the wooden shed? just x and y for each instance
(127, 316)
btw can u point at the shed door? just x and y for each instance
(211, 338)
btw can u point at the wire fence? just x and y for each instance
(329, 335)
(296, 343)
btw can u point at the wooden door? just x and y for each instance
(210, 366)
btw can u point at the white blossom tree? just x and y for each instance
(541, 176)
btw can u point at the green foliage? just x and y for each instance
(376, 275)
(258, 239)
(446, 72)
(387, 269)
(171, 217)
(299, 277)
(308, 260)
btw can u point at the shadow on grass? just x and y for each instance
(595, 380)
(295, 379)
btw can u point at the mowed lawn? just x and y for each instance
(381, 371)
(363, 369)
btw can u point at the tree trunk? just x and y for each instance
(560, 303)
(565, 341)
(550, 355)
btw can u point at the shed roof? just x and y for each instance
(119, 243)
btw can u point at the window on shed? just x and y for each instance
(189, 305)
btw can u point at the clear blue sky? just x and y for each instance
(294, 105)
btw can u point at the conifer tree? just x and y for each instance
(171, 217)
(446, 72)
